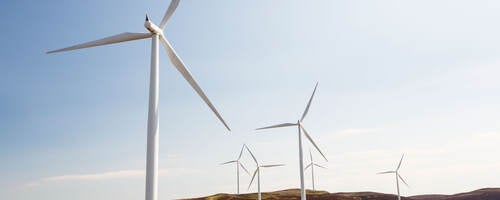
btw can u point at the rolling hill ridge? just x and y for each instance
(294, 194)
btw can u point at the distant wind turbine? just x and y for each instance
(301, 128)
(156, 34)
(238, 165)
(312, 164)
(398, 176)
(257, 172)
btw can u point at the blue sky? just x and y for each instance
(414, 77)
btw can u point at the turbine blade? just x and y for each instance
(232, 161)
(309, 103)
(387, 172)
(310, 155)
(179, 65)
(312, 141)
(122, 37)
(400, 177)
(243, 167)
(319, 166)
(267, 166)
(309, 165)
(278, 126)
(400, 161)
(241, 152)
(253, 177)
(170, 11)
(254, 159)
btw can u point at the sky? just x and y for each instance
(395, 77)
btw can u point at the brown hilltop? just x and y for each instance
(482, 194)
(294, 194)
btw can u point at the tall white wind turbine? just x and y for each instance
(257, 172)
(398, 176)
(301, 129)
(238, 165)
(312, 164)
(156, 34)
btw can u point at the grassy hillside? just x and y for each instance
(294, 194)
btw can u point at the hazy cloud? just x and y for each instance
(112, 175)
(89, 177)
(356, 131)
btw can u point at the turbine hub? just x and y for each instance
(153, 28)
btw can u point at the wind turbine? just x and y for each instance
(156, 34)
(312, 164)
(238, 165)
(301, 128)
(257, 172)
(398, 176)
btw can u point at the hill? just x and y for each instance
(482, 194)
(294, 194)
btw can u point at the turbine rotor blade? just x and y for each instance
(400, 177)
(122, 37)
(312, 141)
(179, 65)
(400, 161)
(267, 166)
(319, 166)
(232, 161)
(243, 167)
(309, 103)
(170, 11)
(387, 172)
(241, 152)
(254, 159)
(309, 165)
(253, 177)
(278, 126)
(310, 155)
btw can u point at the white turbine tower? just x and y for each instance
(312, 164)
(301, 128)
(398, 176)
(156, 34)
(238, 165)
(257, 172)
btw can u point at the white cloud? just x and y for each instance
(121, 174)
(356, 131)
(472, 75)
(112, 175)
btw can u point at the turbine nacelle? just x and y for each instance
(153, 28)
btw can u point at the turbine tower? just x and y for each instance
(257, 172)
(238, 165)
(398, 176)
(156, 34)
(301, 129)
(312, 164)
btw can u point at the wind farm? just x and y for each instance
(81, 100)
